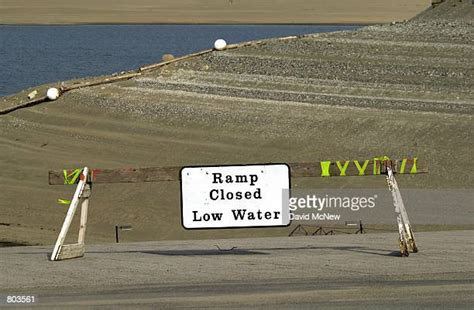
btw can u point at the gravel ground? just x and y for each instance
(426, 59)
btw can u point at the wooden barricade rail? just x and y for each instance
(368, 167)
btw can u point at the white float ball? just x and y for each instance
(52, 93)
(220, 44)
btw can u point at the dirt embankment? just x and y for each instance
(397, 90)
(208, 12)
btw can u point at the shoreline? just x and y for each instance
(140, 68)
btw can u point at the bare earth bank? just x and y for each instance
(210, 11)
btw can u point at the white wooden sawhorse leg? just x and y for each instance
(84, 209)
(406, 236)
(64, 251)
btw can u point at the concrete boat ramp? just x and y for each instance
(334, 272)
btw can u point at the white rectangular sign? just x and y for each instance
(235, 196)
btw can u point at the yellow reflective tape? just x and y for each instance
(70, 179)
(75, 175)
(402, 167)
(343, 169)
(376, 169)
(325, 168)
(413, 168)
(64, 202)
(361, 169)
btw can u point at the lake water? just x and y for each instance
(34, 55)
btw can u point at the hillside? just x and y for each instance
(208, 11)
(400, 90)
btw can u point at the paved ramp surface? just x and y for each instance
(341, 271)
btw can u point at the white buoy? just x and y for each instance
(220, 44)
(52, 93)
